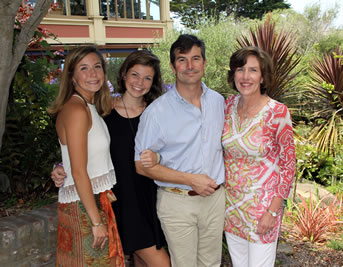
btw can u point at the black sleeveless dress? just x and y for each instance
(135, 208)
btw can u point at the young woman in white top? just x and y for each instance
(87, 231)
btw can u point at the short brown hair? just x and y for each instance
(102, 98)
(239, 59)
(185, 43)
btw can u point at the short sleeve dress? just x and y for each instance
(135, 208)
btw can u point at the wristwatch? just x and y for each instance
(273, 213)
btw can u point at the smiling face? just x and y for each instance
(88, 76)
(138, 80)
(248, 78)
(189, 67)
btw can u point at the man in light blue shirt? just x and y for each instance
(184, 126)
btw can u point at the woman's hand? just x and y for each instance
(149, 159)
(100, 235)
(265, 223)
(58, 175)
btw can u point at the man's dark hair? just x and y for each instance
(184, 43)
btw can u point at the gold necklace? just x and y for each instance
(245, 115)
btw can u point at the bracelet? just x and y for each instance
(158, 157)
(57, 164)
(97, 224)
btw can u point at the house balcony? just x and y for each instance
(117, 27)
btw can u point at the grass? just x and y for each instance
(336, 244)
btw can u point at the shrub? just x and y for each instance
(317, 166)
(282, 50)
(325, 94)
(30, 144)
(312, 219)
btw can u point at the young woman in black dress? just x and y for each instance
(139, 83)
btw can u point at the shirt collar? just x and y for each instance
(178, 96)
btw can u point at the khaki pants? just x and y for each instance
(193, 227)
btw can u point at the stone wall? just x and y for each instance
(29, 239)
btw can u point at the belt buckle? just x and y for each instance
(176, 190)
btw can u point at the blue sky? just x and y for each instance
(299, 5)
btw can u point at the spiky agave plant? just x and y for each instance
(325, 92)
(281, 47)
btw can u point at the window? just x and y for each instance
(131, 9)
(70, 8)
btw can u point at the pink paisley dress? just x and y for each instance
(259, 156)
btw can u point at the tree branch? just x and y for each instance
(20, 44)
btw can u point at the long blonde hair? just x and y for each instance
(102, 98)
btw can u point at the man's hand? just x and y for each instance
(149, 159)
(58, 175)
(203, 184)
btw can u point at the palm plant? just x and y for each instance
(281, 47)
(325, 93)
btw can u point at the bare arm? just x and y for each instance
(200, 183)
(76, 123)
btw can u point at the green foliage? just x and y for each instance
(218, 38)
(325, 93)
(30, 144)
(113, 66)
(161, 49)
(318, 166)
(336, 188)
(281, 48)
(191, 11)
(254, 9)
(11, 201)
(312, 219)
(330, 43)
(311, 27)
(336, 244)
(311, 30)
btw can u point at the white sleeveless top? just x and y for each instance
(99, 166)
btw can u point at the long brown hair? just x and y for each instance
(102, 98)
(145, 58)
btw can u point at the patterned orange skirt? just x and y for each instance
(75, 238)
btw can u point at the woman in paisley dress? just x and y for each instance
(259, 156)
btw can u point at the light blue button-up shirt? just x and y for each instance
(187, 138)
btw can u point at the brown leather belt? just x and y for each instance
(183, 192)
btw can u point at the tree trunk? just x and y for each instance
(12, 51)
